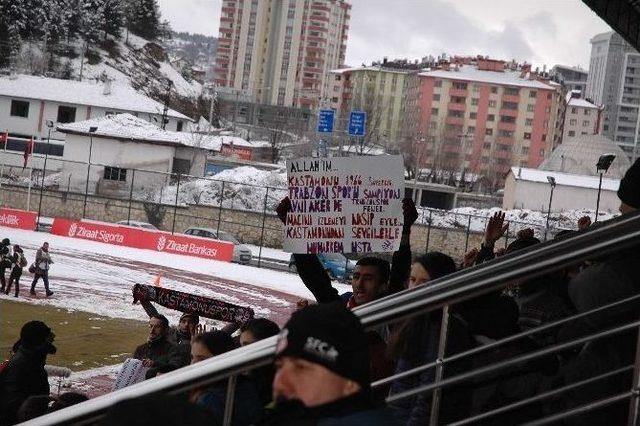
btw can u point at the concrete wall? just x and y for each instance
(246, 226)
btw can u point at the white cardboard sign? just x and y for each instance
(345, 204)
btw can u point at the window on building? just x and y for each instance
(527, 135)
(507, 119)
(549, 95)
(492, 104)
(528, 122)
(456, 114)
(573, 122)
(505, 133)
(475, 101)
(491, 117)
(433, 125)
(179, 126)
(436, 96)
(434, 111)
(461, 86)
(486, 145)
(488, 132)
(574, 110)
(66, 114)
(485, 160)
(476, 88)
(471, 130)
(544, 138)
(115, 173)
(458, 99)
(532, 94)
(494, 89)
(513, 91)
(585, 123)
(584, 133)
(473, 115)
(509, 105)
(437, 83)
(586, 112)
(531, 108)
(525, 150)
(19, 108)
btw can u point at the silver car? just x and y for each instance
(241, 253)
(137, 224)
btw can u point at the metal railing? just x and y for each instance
(605, 239)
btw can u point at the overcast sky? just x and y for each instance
(539, 31)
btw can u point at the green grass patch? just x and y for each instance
(84, 340)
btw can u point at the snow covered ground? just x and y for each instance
(98, 278)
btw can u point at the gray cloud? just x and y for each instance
(540, 32)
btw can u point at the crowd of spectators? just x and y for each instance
(326, 362)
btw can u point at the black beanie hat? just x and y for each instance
(34, 334)
(629, 190)
(328, 334)
(6, 242)
(522, 243)
(436, 264)
(195, 317)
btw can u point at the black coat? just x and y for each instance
(23, 377)
(157, 351)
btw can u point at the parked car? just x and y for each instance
(241, 252)
(137, 224)
(336, 264)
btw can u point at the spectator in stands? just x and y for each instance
(372, 279)
(253, 331)
(247, 405)
(180, 354)
(18, 262)
(492, 315)
(156, 350)
(322, 373)
(415, 342)
(36, 406)
(25, 375)
(5, 260)
(42, 263)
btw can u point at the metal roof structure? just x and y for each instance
(622, 15)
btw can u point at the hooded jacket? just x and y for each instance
(23, 377)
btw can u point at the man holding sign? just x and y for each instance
(350, 205)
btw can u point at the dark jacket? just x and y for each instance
(456, 400)
(157, 350)
(23, 377)
(247, 405)
(360, 409)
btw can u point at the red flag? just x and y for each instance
(3, 138)
(28, 150)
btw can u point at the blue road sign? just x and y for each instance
(325, 120)
(357, 123)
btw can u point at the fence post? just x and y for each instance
(466, 241)
(229, 400)
(428, 232)
(86, 191)
(264, 218)
(220, 208)
(175, 206)
(133, 178)
(442, 349)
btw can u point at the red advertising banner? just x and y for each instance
(20, 219)
(242, 153)
(144, 239)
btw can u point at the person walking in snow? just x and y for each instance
(18, 261)
(5, 260)
(43, 260)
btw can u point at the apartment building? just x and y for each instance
(281, 51)
(482, 116)
(571, 78)
(581, 117)
(614, 81)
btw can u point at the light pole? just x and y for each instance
(604, 162)
(92, 130)
(44, 169)
(552, 183)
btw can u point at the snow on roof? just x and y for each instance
(236, 141)
(371, 68)
(129, 127)
(564, 179)
(572, 68)
(122, 97)
(472, 73)
(581, 103)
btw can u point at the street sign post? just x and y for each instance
(325, 120)
(357, 123)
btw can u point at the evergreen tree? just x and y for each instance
(113, 11)
(145, 20)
